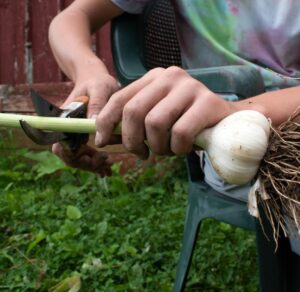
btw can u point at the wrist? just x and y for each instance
(88, 66)
(249, 104)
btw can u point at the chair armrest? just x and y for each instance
(242, 80)
(127, 48)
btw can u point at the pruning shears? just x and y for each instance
(75, 109)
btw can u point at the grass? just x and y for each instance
(67, 230)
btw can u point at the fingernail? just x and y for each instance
(98, 139)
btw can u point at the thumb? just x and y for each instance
(95, 105)
(99, 98)
(70, 98)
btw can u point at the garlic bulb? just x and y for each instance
(236, 145)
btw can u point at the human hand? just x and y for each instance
(99, 88)
(166, 107)
(85, 158)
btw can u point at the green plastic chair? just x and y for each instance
(132, 58)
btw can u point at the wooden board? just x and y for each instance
(25, 54)
(16, 98)
(26, 58)
(13, 41)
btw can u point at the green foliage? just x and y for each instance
(67, 230)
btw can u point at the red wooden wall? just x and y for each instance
(25, 55)
(26, 61)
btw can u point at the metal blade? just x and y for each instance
(40, 137)
(44, 107)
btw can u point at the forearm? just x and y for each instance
(70, 36)
(277, 105)
(70, 40)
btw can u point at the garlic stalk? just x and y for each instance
(235, 145)
(55, 124)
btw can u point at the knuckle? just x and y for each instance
(180, 133)
(156, 71)
(56, 150)
(108, 86)
(115, 98)
(191, 84)
(85, 87)
(182, 140)
(174, 71)
(153, 122)
(207, 101)
(132, 112)
(115, 103)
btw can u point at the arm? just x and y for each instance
(277, 105)
(70, 40)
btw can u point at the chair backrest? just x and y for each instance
(160, 43)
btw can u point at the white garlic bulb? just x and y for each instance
(236, 145)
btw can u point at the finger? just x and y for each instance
(62, 152)
(93, 164)
(134, 113)
(101, 164)
(99, 97)
(65, 153)
(193, 121)
(73, 95)
(136, 110)
(111, 114)
(159, 121)
(86, 158)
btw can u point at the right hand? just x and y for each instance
(166, 107)
(98, 88)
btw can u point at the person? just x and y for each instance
(167, 107)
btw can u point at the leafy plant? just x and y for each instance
(67, 230)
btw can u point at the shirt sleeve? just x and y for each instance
(131, 6)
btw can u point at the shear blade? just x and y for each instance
(40, 137)
(44, 107)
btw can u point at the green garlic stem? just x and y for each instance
(54, 124)
(65, 125)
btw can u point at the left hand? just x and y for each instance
(85, 158)
(166, 107)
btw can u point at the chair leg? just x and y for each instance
(279, 271)
(292, 270)
(191, 228)
(272, 265)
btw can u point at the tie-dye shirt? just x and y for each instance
(261, 33)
